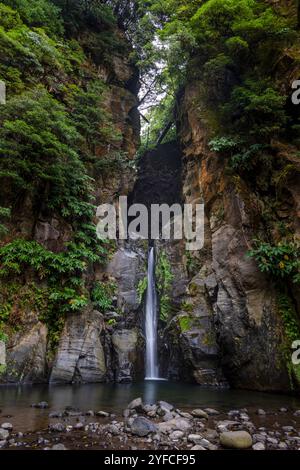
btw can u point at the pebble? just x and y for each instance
(79, 426)
(259, 446)
(104, 414)
(3, 434)
(195, 438)
(282, 446)
(42, 405)
(211, 411)
(55, 414)
(59, 447)
(198, 447)
(288, 428)
(57, 427)
(261, 412)
(175, 435)
(7, 426)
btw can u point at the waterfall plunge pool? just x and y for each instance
(16, 401)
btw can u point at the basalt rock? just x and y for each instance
(80, 356)
(127, 354)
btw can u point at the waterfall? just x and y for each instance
(151, 321)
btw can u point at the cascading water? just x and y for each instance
(151, 321)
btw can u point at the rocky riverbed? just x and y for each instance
(160, 426)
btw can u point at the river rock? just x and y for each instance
(236, 439)
(168, 416)
(80, 355)
(282, 446)
(57, 427)
(211, 411)
(176, 435)
(41, 405)
(3, 444)
(103, 414)
(7, 426)
(199, 413)
(288, 428)
(136, 404)
(185, 415)
(226, 425)
(59, 447)
(79, 426)
(55, 414)
(142, 426)
(195, 438)
(179, 424)
(164, 407)
(261, 412)
(259, 446)
(4, 434)
(197, 447)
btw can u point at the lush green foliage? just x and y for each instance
(102, 295)
(281, 261)
(141, 288)
(290, 320)
(229, 48)
(164, 279)
(54, 126)
(184, 323)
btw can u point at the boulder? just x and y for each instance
(199, 413)
(136, 404)
(165, 407)
(236, 439)
(7, 426)
(142, 427)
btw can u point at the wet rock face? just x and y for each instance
(80, 355)
(128, 267)
(128, 356)
(26, 356)
(2, 354)
(238, 299)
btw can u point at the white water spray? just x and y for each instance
(151, 321)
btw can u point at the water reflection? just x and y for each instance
(16, 401)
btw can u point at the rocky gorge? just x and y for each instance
(72, 307)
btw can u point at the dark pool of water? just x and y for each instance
(15, 401)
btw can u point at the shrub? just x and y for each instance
(282, 261)
(102, 295)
